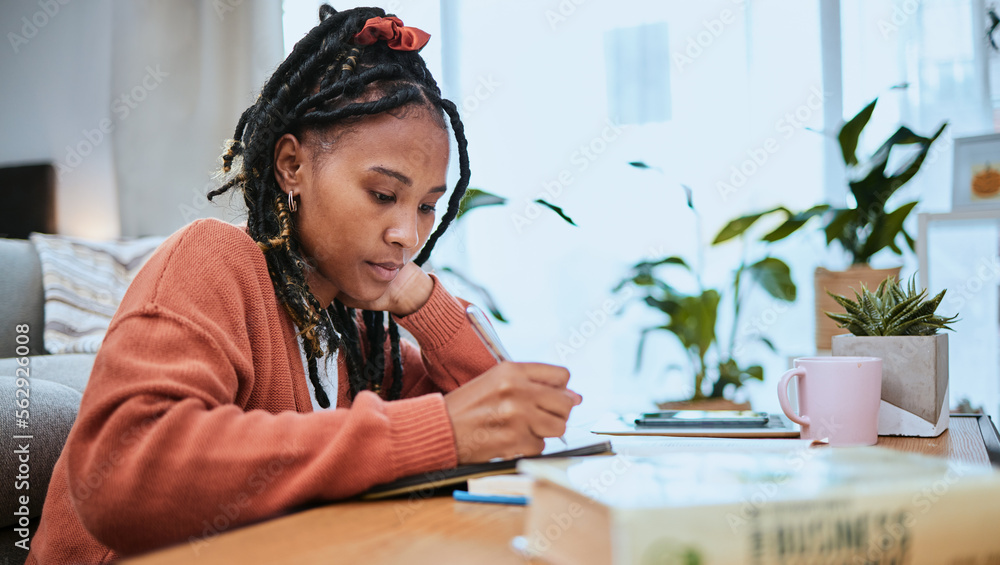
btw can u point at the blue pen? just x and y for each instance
(490, 339)
(466, 496)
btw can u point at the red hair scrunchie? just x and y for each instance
(395, 34)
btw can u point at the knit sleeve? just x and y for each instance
(449, 354)
(160, 454)
(189, 425)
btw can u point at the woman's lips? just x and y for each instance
(385, 271)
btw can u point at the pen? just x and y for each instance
(484, 329)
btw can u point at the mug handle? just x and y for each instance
(786, 406)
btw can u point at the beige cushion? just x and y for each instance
(84, 281)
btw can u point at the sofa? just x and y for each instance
(55, 387)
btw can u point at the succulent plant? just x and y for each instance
(891, 311)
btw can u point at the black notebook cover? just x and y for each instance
(428, 483)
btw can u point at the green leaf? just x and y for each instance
(842, 318)
(476, 198)
(708, 308)
(910, 242)
(556, 209)
(874, 189)
(885, 230)
(905, 308)
(741, 224)
(775, 276)
(669, 305)
(852, 307)
(851, 132)
(794, 223)
(643, 273)
(672, 260)
(784, 230)
(769, 344)
(907, 170)
(688, 195)
(837, 226)
(639, 164)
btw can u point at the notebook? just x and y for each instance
(430, 483)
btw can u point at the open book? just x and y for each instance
(428, 483)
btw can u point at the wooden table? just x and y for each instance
(440, 530)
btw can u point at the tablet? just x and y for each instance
(624, 425)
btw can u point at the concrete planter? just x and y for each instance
(914, 381)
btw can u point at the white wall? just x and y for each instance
(132, 101)
(56, 92)
(533, 92)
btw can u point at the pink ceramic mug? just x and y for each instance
(839, 398)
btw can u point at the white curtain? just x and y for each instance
(182, 73)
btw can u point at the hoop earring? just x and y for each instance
(291, 202)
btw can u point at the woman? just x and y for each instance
(248, 371)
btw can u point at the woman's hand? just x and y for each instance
(406, 294)
(509, 410)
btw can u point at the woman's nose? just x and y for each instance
(403, 232)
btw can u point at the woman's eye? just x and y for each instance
(427, 208)
(382, 197)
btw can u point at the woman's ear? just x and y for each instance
(289, 162)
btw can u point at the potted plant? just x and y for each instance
(691, 316)
(864, 228)
(900, 326)
(868, 226)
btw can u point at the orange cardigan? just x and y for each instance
(197, 417)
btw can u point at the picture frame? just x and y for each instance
(976, 173)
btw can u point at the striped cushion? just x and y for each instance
(84, 282)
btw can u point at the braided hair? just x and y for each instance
(326, 82)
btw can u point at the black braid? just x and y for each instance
(375, 365)
(397, 360)
(347, 326)
(328, 81)
(463, 180)
(321, 398)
